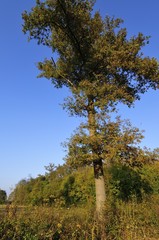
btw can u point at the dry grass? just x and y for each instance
(122, 221)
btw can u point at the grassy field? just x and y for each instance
(123, 221)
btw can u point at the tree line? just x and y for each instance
(132, 173)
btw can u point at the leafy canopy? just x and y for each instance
(94, 57)
(114, 142)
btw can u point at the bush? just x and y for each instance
(3, 196)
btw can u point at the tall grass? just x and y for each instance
(122, 221)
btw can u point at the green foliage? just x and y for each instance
(60, 187)
(95, 59)
(114, 142)
(78, 188)
(3, 196)
(94, 54)
(128, 183)
(151, 173)
(64, 187)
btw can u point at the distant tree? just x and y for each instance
(95, 60)
(3, 196)
(50, 168)
(20, 193)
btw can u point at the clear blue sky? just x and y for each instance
(32, 123)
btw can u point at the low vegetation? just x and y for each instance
(61, 204)
(122, 220)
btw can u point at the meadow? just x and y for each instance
(122, 221)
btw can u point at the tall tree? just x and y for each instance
(95, 59)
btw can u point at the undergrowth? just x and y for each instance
(122, 221)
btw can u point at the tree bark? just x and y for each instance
(99, 186)
(97, 164)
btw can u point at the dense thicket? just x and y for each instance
(65, 188)
(60, 187)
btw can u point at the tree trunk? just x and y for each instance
(100, 199)
(99, 186)
(98, 164)
(98, 174)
